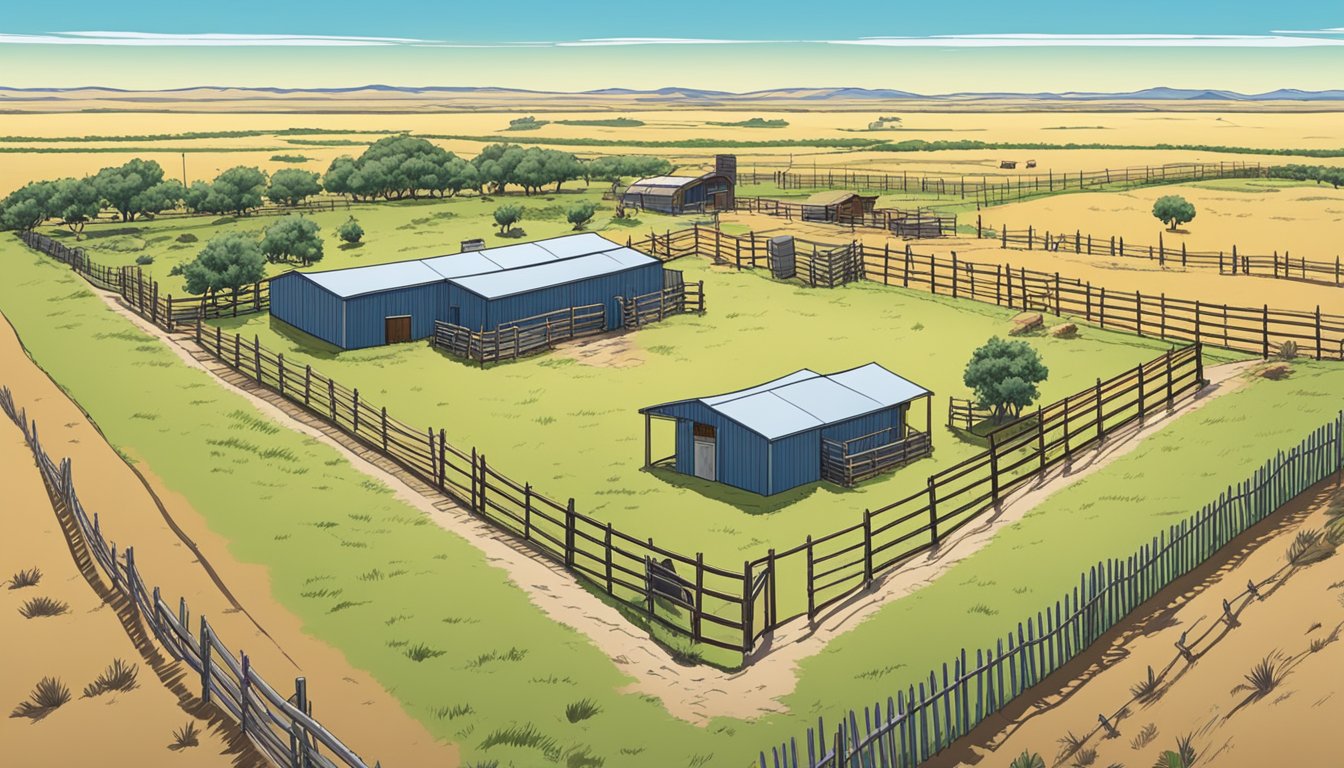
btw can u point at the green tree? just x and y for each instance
(350, 231)
(122, 188)
(337, 178)
(227, 263)
(580, 214)
(291, 186)
(293, 238)
(27, 207)
(75, 202)
(1004, 375)
(1173, 210)
(508, 215)
(161, 197)
(237, 190)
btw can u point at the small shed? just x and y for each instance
(843, 427)
(838, 206)
(681, 194)
(479, 290)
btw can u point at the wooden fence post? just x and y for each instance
(570, 523)
(811, 575)
(933, 513)
(1265, 331)
(256, 355)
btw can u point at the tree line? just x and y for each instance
(393, 168)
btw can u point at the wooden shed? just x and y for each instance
(842, 427)
(838, 206)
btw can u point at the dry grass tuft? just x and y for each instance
(119, 676)
(186, 736)
(28, 578)
(43, 606)
(1263, 678)
(1144, 737)
(49, 694)
(1309, 546)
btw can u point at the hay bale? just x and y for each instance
(1026, 322)
(1064, 331)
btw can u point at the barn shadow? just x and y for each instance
(744, 501)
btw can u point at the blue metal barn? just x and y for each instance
(480, 290)
(796, 429)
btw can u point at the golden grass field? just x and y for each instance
(1271, 130)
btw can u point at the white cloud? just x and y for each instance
(664, 41)
(1095, 41)
(209, 39)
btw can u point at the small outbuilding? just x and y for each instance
(480, 290)
(838, 206)
(842, 427)
(681, 194)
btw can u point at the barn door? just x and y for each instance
(706, 450)
(397, 329)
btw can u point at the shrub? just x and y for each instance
(187, 237)
(508, 215)
(1286, 351)
(350, 231)
(1027, 760)
(580, 214)
(144, 259)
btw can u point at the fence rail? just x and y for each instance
(1257, 330)
(917, 722)
(919, 223)
(1283, 267)
(993, 189)
(522, 337)
(281, 727)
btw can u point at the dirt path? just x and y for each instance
(177, 550)
(78, 645)
(1296, 626)
(695, 694)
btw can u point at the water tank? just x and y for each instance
(783, 264)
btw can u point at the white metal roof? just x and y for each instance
(348, 283)
(495, 285)
(806, 399)
(357, 281)
(665, 181)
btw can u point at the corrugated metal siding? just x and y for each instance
(303, 304)
(365, 315)
(740, 454)
(889, 418)
(795, 461)
(478, 313)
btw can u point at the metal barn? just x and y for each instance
(493, 299)
(843, 427)
(482, 290)
(681, 194)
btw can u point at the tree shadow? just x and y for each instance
(349, 246)
(513, 233)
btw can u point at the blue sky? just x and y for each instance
(926, 47)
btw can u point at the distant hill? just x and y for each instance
(442, 98)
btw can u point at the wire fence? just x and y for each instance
(282, 727)
(914, 724)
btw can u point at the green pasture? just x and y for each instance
(369, 575)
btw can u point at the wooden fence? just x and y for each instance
(1257, 330)
(520, 338)
(919, 721)
(987, 189)
(965, 414)
(1231, 262)
(142, 293)
(916, 224)
(282, 727)
(676, 298)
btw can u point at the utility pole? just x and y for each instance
(184, 170)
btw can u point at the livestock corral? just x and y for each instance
(689, 466)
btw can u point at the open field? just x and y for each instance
(1259, 216)
(48, 145)
(1295, 629)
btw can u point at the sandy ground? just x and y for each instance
(1297, 623)
(695, 694)
(1301, 220)
(136, 509)
(1115, 273)
(76, 647)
